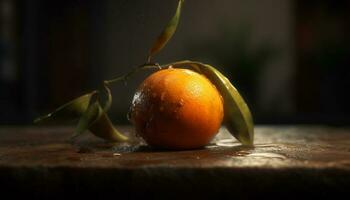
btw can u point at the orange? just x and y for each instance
(177, 109)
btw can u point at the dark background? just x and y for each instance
(289, 59)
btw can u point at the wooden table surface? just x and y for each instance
(286, 161)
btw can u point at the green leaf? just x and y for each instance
(167, 32)
(72, 109)
(108, 102)
(237, 116)
(103, 128)
(97, 121)
(90, 116)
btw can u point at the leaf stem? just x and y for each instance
(126, 76)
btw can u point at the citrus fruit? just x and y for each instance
(177, 109)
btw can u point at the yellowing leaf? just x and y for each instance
(167, 32)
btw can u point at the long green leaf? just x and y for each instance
(237, 116)
(72, 109)
(92, 117)
(167, 32)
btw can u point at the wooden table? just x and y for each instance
(286, 162)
